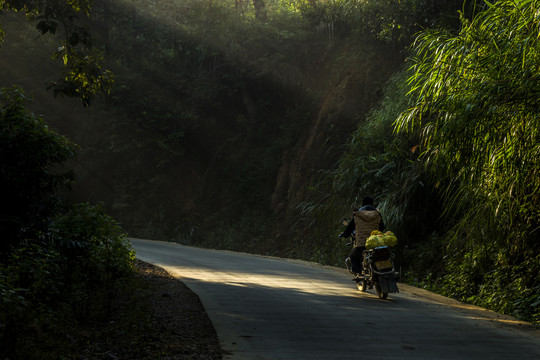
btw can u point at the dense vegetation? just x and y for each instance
(476, 107)
(58, 262)
(257, 126)
(452, 154)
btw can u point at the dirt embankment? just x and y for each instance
(159, 318)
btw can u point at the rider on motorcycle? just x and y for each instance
(364, 221)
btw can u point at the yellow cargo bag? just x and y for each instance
(390, 239)
(378, 239)
(374, 241)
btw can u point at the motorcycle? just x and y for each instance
(377, 270)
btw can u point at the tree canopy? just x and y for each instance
(83, 76)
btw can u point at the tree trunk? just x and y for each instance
(260, 10)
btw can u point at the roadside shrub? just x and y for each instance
(96, 255)
(12, 308)
(30, 155)
(490, 278)
(30, 288)
(58, 263)
(86, 232)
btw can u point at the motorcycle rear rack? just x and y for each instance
(391, 272)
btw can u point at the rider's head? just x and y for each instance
(368, 200)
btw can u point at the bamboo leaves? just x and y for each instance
(477, 98)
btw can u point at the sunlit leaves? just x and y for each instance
(50, 8)
(83, 76)
(477, 105)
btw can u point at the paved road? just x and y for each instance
(266, 308)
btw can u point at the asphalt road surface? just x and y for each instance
(267, 308)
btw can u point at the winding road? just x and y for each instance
(272, 309)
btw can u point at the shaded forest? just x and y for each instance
(258, 126)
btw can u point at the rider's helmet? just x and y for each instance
(368, 200)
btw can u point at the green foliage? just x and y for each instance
(476, 108)
(218, 99)
(390, 21)
(35, 270)
(452, 187)
(29, 153)
(95, 254)
(55, 262)
(379, 163)
(93, 241)
(475, 104)
(195, 114)
(489, 277)
(83, 76)
(375, 160)
(50, 282)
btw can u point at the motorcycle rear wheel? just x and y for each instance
(381, 294)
